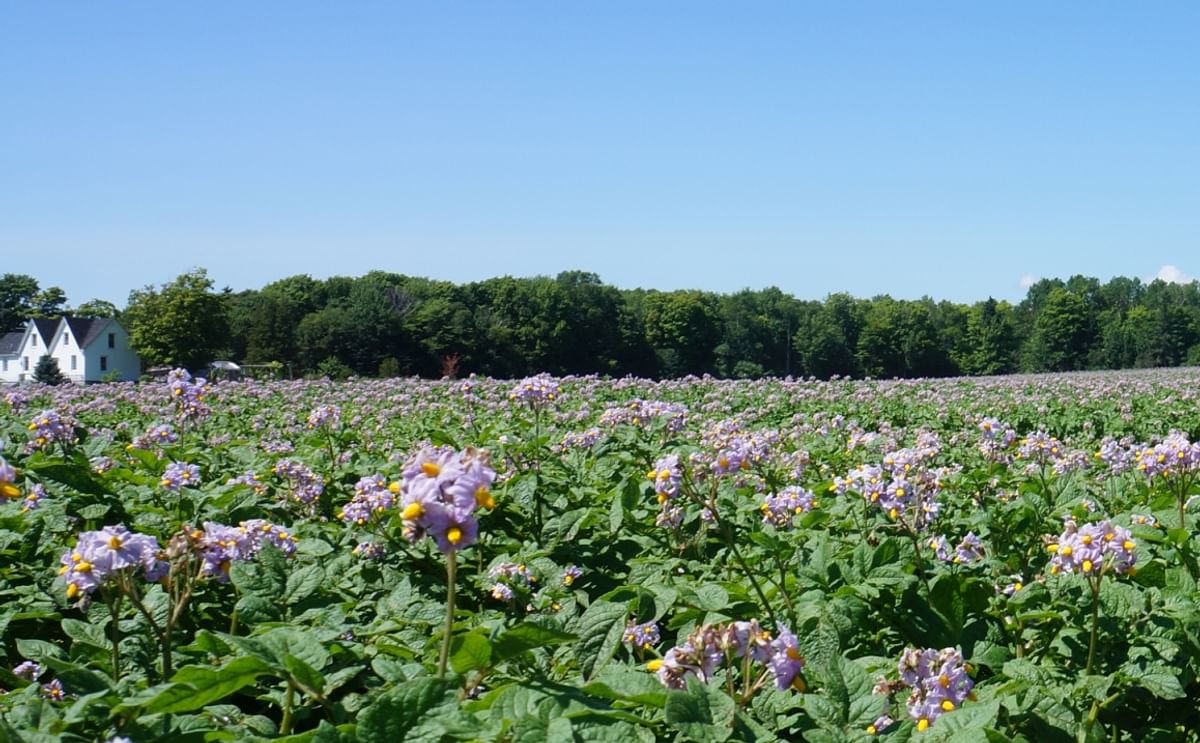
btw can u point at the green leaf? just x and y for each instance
(86, 633)
(525, 637)
(1161, 682)
(194, 687)
(621, 683)
(399, 711)
(702, 713)
(470, 652)
(301, 583)
(599, 630)
(304, 674)
(39, 650)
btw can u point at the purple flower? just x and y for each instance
(53, 690)
(440, 490)
(28, 670)
(782, 509)
(645, 635)
(786, 661)
(180, 474)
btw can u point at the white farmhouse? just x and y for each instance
(88, 349)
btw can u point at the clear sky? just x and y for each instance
(950, 149)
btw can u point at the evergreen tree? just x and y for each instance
(47, 371)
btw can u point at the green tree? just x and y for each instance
(95, 308)
(47, 371)
(50, 302)
(1061, 333)
(183, 323)
(990, 338)
(682, 328)
(17, 293)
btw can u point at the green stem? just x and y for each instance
(285, 725)
(114, 608)
(451, 568)
(1095, 624)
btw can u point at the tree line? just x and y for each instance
(388, 324)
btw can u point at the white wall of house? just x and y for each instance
(19, 367)
(64, 349)
(101, 358)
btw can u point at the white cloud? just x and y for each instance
(1172, 275)
(1027, 281)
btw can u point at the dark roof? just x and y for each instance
(86, 329)
(10, 343)
(46, 328)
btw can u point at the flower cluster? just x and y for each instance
(510, 578)
(188, 394)
(996, 440)
(306, 485)
(1117, 454)
(1042, 450)
(440, 492)
(1092, 549)
(28, 670)
(905, 486)
(582, 440)
(250, 480)
(180, 474)
(570, 573)
(781, 509)
(711, 647)
(325, 416)
(372, 494)
(1175, 455)
(34, 497)
(536, 391)
(645, 413)
(969, 549)
(219, 545)
(157, 437)
(938, 681)
(644, 635)
(97, 555)
(48, 427)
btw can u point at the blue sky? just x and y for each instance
(917, 148)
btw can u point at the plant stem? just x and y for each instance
(285, 724)
(451, 569)
(114, 609)
(1095, 624)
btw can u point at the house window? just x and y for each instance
(33, 340)
(73, 363)
(104, 362)
(25, 364)
(112, 340)
(6, 365)
(66, 339)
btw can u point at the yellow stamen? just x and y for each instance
(947, 705)
(654, 665)
(922, 725)
(431, 469)
(412, 511)
(484, 499)
(454, 535)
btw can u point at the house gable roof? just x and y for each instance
(10, 343)
(46, 329)
(86, 329)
